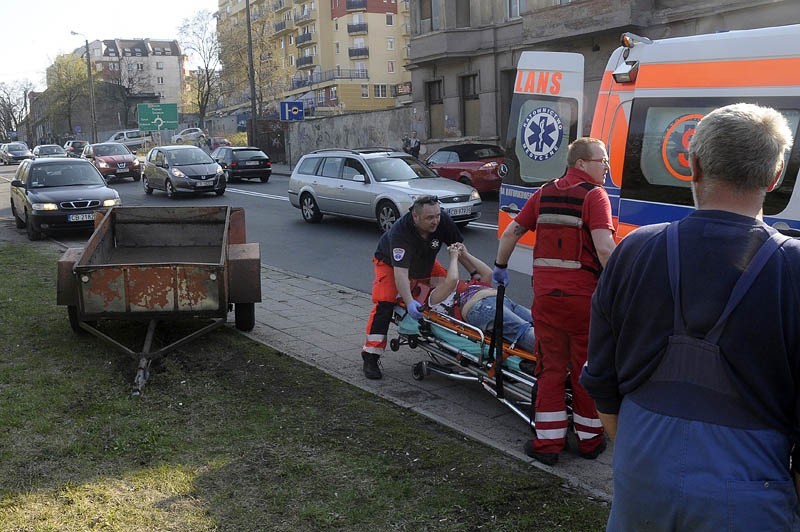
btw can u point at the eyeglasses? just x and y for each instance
(604, 160)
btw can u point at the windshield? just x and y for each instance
(64, 175)
(246, 155)
(15, 146)
(104, 150)
(187, 157)
(49, 150)
(398, 169)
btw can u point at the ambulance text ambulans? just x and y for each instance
(652, 95)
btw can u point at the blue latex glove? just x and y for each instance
(415, 310)
(500, 276)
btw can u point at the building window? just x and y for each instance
(159, 65)
(333, 93)
(469, 87)
(434, 91)
(361, 66)
(139, 66)
(335, 25)
(336, 47)
(114, 66)
(390, 43)
(291, 39)
(379, 90)
(320, 97)
(160, 80)
(515, 7)
(390, 67)
(130, 66)
(291, 59)
(390, 19)
(364, 90)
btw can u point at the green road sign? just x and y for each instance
(158, 116)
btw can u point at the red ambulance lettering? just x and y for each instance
(536, 82)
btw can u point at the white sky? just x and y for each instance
(34, 32)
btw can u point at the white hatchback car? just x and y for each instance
(190, 134)
(376, 184)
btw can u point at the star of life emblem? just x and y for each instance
(541, 134)
(435, 243)
(398, 254)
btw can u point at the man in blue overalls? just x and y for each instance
(694, 346)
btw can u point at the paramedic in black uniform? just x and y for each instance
(406, 252)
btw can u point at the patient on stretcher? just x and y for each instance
(474, 301)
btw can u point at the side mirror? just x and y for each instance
(16, 183)
(159, 164)
(359, 178)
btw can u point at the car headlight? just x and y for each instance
(112, 202)
(44, 206)
(135, 163)
(102, 164)
(176, 173)
(219, 170)
(474, 196)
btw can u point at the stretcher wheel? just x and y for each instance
(394, 344)
(412, 342)
(419, 370)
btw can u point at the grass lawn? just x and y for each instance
(229, 435)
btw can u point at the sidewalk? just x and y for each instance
(323, 324)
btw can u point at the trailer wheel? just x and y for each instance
(245, 314)
(394, 344)
(419, 370)
(72, 313)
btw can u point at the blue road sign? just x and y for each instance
(291, 111)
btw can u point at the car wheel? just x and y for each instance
(310, 209)
(264, 178)
(137, 177)
(168, 186)
(33, 234)
(464, 179)
(387, 215)
(146, 184)
(20, 223)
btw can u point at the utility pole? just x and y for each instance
(91, 86)
(252, 76)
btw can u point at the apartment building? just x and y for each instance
(334, 55)
(464, 52)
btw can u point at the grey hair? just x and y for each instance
(741, 145)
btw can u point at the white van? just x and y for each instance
(132, 138)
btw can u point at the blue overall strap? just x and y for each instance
(757, 263)
(674, 270)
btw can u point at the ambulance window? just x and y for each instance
(544, 127)
(656, 165)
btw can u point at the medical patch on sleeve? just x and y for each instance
(398, 254)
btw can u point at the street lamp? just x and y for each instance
(91, 86)
(252, 76)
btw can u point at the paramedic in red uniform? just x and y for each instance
(574, 238)
(695, 346)
(406, 252)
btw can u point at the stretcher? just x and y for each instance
(460, 351)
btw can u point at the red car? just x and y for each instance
(216, 142)
(113, 160)
(477, 165)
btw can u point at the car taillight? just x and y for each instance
(490, 165)
(234, 164)
(269, 164)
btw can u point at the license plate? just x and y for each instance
(204, 185)
(252, 163)
(459, 211)
(88, 217)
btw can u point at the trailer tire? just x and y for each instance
(245, 314)
(72, 313)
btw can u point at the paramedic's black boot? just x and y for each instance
(550, 459)
(371, 368)
(597, 451)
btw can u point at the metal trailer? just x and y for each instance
(162, 264)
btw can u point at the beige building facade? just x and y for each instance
(464, 52)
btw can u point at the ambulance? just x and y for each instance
(652, 94)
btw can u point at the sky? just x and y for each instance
(34, 32)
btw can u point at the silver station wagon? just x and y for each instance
(377, 184)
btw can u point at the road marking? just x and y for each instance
(476, 225)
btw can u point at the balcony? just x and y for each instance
(403, 6)
(328, 75)
(281, 5)
(305, 16)
(406, 29)
(305, 62)
(356, 5)
(358, 53)
(283, 26)
(357, 29)
(304, 39)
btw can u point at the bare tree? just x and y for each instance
(199, 38)
(130, 80)
(13, 104)
(66, 78)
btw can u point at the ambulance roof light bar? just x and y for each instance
(629, 40)
(626, 72)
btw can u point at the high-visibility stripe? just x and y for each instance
(558, 263)
(586, 435)
(586, 421)
(545, 417)
(778, 72)
(551, 434)
(376, 338)
(374, 350)
(560, 219)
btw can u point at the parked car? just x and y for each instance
(113, 159)
(217, 142)
(190, 134)
(52, 194)
(477, 165)
(74, 148)
(373, 184)
(243, 162)
(48, 150)
(133, 139)
(15, 152)
(181, 169)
